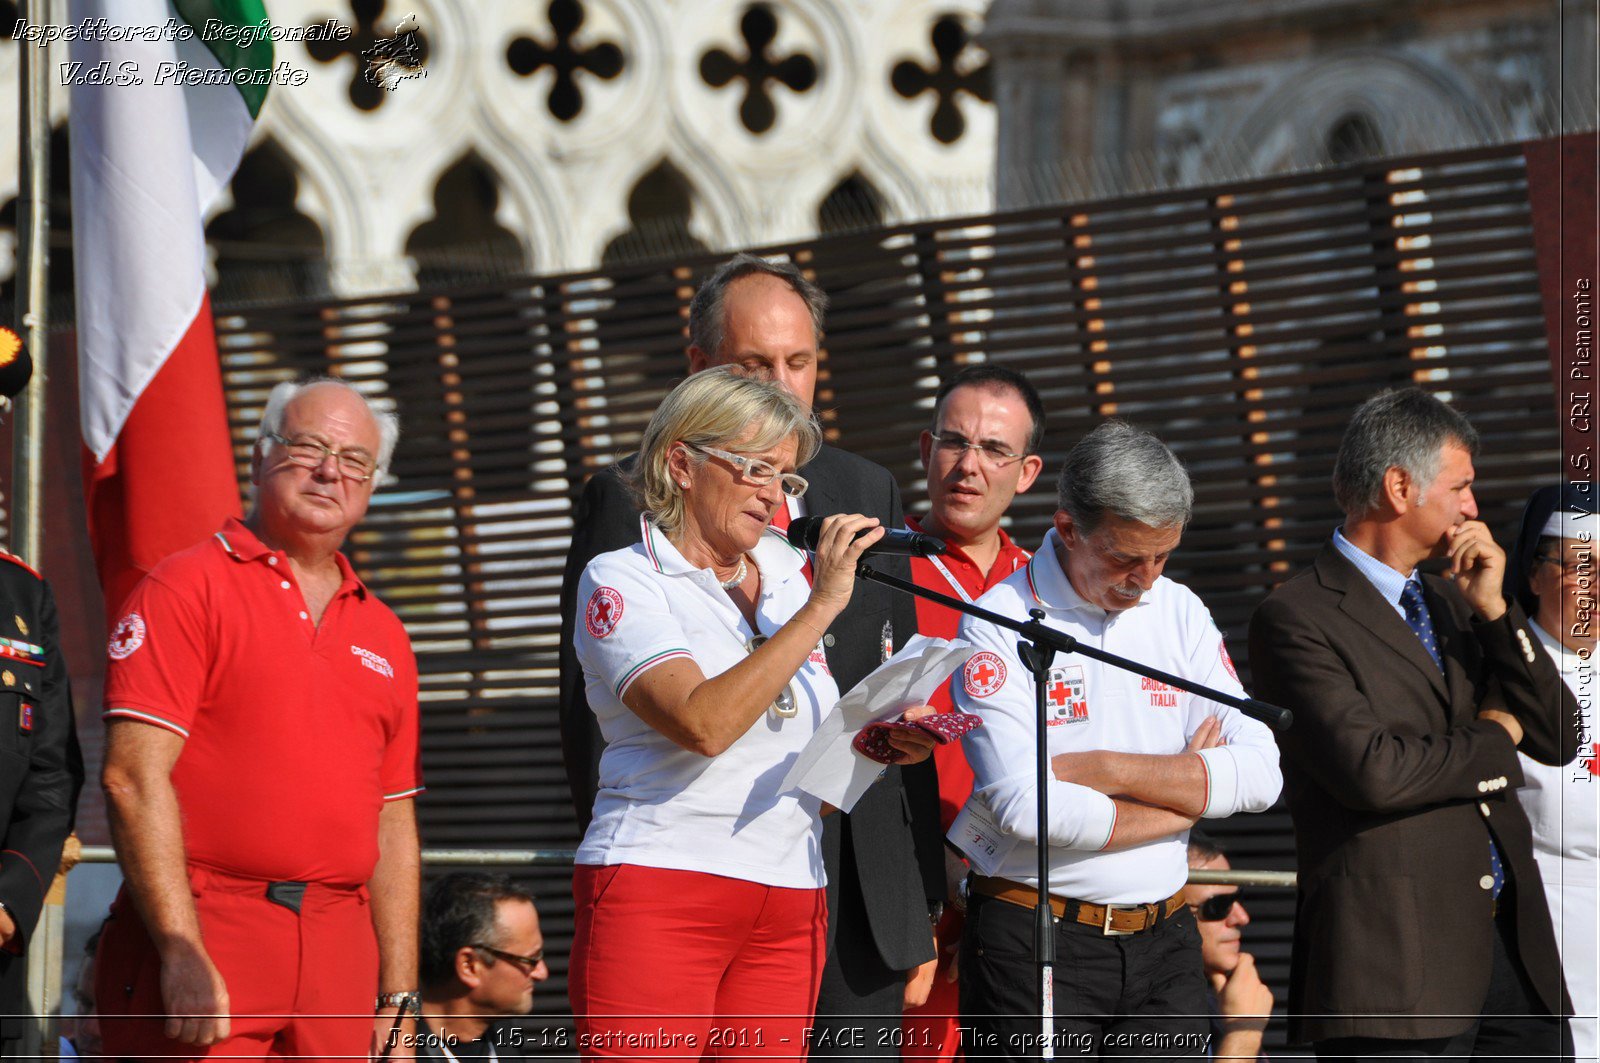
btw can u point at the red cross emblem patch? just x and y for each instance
(1065, 696)
(126, 637)
(603, 612)
(984, 674)
(1227, 662)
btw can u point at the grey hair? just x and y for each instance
(279, 398)
(708, 318)
(1128, 473)
(1404, 428)
(713, 409)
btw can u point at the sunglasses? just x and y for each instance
(525, 964)
(1216, 907)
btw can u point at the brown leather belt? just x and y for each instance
(1110, 918)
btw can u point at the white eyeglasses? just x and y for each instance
(757, 471)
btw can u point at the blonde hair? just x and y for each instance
(713, 409)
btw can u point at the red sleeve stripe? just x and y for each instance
(145, 717)
(1206, 806)
(414, 791)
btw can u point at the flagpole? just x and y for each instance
(33, 288)
(27, 458)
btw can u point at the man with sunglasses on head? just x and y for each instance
(884, 860)
(980, 452)
(482, 957)
(261, 760)
(1241, 1002)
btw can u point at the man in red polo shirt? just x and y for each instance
(982, 450)
(261, 758)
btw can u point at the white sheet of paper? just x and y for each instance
(828, 767)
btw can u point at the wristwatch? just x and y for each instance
(962, 895)
(935, 912)
(406, 1001)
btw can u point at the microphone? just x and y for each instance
(896, 542)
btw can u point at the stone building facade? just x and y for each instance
(551, 135)
(1101, 97)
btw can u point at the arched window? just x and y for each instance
(464, 242)
(659, 208)
(1352, 139)
(266, 250)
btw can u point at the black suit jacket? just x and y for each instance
(1395, 787)
(41, 770)
(894, 830)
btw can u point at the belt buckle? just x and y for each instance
(1106, 929)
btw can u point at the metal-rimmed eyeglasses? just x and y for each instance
(991, 454)
(758, 472)
(526, 964)
(1216, 907)
(309, 453)
(1571, 567)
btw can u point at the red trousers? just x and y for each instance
(684, 964)
(299, 985)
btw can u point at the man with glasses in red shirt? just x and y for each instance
(261, 758)
(980, 453)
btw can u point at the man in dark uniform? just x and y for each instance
(41, 770)
(885, 859)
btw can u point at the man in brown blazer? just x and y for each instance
(1420, 924)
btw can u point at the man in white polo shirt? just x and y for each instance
(1135, 764)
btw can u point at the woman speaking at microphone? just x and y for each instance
(701, 915)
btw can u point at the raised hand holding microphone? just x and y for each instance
(837, 543)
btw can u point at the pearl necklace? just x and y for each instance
(737, 578)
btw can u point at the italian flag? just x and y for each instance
(148, 160)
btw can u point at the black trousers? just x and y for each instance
(1138, 994)
(1513, 1024)
(859, 1003)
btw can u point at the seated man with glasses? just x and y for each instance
(482, 955)
(1241, 1003)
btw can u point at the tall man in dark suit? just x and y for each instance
(885, 859)
(1421, 927)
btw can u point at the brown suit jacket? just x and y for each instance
(1395, 787)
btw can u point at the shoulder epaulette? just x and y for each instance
(15, 560)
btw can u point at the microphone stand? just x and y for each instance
(1037, 649)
